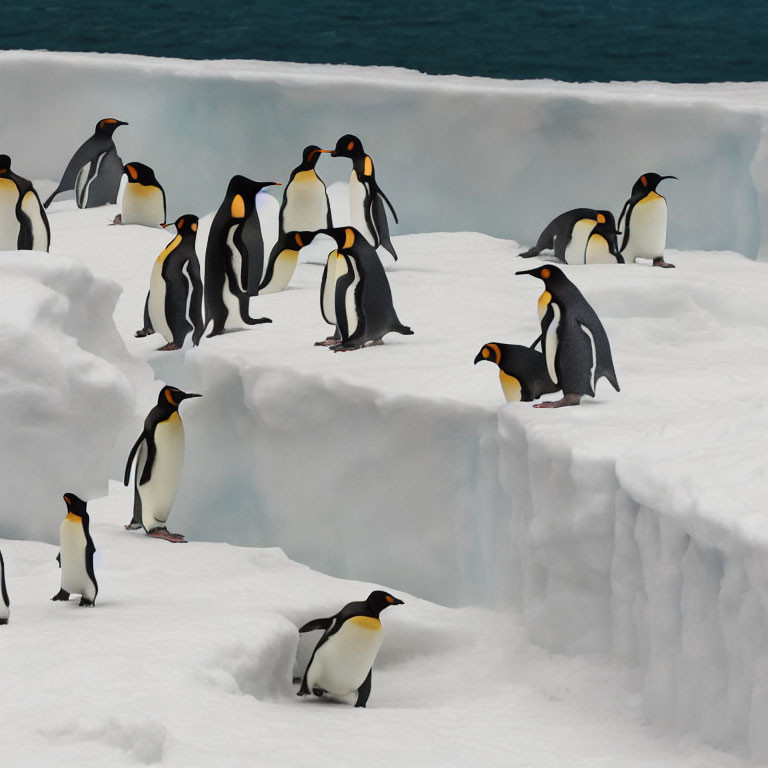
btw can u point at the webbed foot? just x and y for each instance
(561, 403)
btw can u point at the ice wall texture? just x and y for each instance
(522, 152)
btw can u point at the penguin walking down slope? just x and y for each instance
(342, 662)
(522, 371)
(283, 260)
(363, 299)
(234, 258)
(76, 550)
(143, 197)
(366, 199)
(305, 200)
(95, 170)
(567, 235)
(5, 603)
(644, 218)
(159, 454)
(23, 221)
(573, 339)
(174, 304)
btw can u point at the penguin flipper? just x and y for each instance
(625, 210)
(391, 208)
(379, 216)
(131, 456)
(310, 626)
(364, 691)
(151, 453)
(58, 559)
(196, 301)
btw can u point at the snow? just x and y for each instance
(625, 538)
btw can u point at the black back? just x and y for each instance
(557, 233)
(25, 240)
(527, 365)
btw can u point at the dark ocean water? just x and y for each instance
(673, 40)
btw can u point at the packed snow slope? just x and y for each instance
(521, 151)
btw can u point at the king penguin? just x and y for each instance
(342, 662)
(95, 170)
(234, 257)
(573, 339)
(5, 603)
(645, 221)
(366, 199)
(567, 235)
(363, 299)
(522, 371)
(23, 221)
(76, 550)
(305, 199)
(143, 197)
(283, 260)
(601, 243)
(159, 454)
(174, 304)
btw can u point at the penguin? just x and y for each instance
(363, 298)
(573, 339)
(76, 550)
(601, 243)
(305, 200)
(645, 221)
(143, 197)
(159, 454)
(328, 298)
(366, 199)
(174, 304)
(342, 662)
(95, 170)
(5, 603)
(567, 235)
(234, 257)
(23, 221)
(283, 260)
(522, 371)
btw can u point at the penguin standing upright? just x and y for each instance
(522, 371)
(342, 662)
(363, 298)
(5, 603)
(23, 221)
(76, 550)
(644, 217)
(283, 260)
(567, 235)
(366, 199)
(573, 339)
(305, 200)
(328, 297)
(143, 197)
(95, 170)
(174, 304)
(159, 454)
(234, 257)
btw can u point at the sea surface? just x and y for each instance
(672, 40)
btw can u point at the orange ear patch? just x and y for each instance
(350, 238)
(193, 227)
(238, 207)
(368, 167)
(644, 181)
(169, 398)
(132, 172)
(496, 351)
(299, 241)
(351, 146)
(600, 218)
(545, 273)
(389, 599)
(180, 224)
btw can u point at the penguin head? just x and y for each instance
(345, 237)
(490, 352)
(138, 173)
(606, 225)
(549, 273)
(297, 240)
(348, 146)
(186, 225)
(378, 600)
(108, 126)
(173, 396)
(311, 155)
(75, 504)
(647, 183)
(5, 164)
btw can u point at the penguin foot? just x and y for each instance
(164, 533)
(132, 526)
(61, 595)
(318, 691)
(169, 347)
(345, 347)
(3, 621)
(117, 220)
(85, 602)
(659, 262)
(564, 401)
(140, 334)
(328, 342)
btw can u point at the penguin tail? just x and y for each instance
(529, 253)
(611, 376)
(404, 329)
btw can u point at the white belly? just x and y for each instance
(574, 251)
(306, 208)
(231, 302)
(157, 302)
(9, 224)
(349, 300)
(282, 271)
(85, 179)
(329, 289)
(357, 194)
(159, 492)
(31, 206)
(647, 229)
(598, 251)
(550, 343)
(143, 205)
(342, 663)
(74, 577)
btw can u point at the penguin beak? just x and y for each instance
(479, 357)
(528, 272)
(669, 177)
(398, 601)
(187, 395)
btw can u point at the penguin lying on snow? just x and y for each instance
(522, 371)
(305, 200)
(23, 221)
(159, 454)
(95, 170)
(76, 554)
(645, 221)
(174, 304)
(143, 197)
(342, 662)
(5, 603)
(283, 260)
(573, 339)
